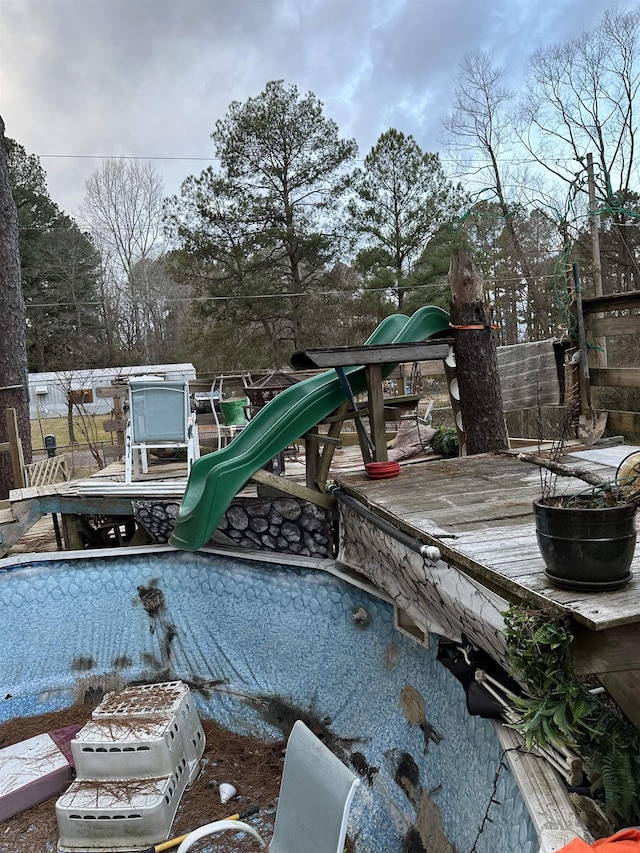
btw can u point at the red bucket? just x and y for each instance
(382, 470)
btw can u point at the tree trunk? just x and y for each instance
(476, 358)
(14, 388)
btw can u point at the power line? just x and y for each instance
(119, 157)
(515, 162)
(303, 293)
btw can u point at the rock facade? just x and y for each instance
(284, 525)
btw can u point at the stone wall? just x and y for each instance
(284, 525)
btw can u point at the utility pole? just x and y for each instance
(595, 240)
(600, 353)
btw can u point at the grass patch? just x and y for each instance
(88, 428)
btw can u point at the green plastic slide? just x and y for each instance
(216, 478)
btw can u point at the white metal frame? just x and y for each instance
(143, 435)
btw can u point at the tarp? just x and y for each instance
(626, 841)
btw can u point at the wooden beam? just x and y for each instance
(321, 438)
(376, 408)
(118, 425)
(612, 302)
(613, 650)
(326, 458)
(376, 354)
(71, 525)
(26, 514)
(624, 689)
(289, 487)
(311, 459)
(623, 422)
(15, 445)
(613, 326)
(88, 504)
(111, 391)
(616, 377)
(404, 402)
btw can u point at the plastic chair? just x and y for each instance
(313, 807)
(159, 417)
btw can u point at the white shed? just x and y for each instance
(49, 392)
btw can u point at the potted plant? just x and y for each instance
(587, 539)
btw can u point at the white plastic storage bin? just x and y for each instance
(127, 747)
(153, 702)
(126, 814)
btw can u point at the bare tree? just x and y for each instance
(78, 416)
(581, 100)
(123, 208)
(13, 347)
(480, 128)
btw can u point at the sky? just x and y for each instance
(84, 79)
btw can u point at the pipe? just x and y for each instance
(427, 552)
(173, 842)
(218, 826)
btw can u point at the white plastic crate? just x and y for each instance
(152, 701)
(125, 814)
(123, 747)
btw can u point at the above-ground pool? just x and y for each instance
(261, 643)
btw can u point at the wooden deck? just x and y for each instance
(478, 512)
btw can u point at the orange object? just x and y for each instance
(382, 470)
(625, 841)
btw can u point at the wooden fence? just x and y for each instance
(614, 317)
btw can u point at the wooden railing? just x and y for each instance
(615, 316)
(53, 469)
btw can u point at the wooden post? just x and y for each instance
(15, 448)
(599, 354)
(117, 415)
(476, 358)
(312, 460)
(71, 531)
(376, 412)
(328, 450)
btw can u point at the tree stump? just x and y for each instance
(476, 358)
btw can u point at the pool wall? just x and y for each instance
(260, 643)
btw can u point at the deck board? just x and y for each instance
(479, 509)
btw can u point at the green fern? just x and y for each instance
(559, 708)
(620, 787)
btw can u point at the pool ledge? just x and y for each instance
(544, 795)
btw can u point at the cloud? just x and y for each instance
(151, 77)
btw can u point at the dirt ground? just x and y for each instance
(253, 767)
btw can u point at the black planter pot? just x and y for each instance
(587, 549)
